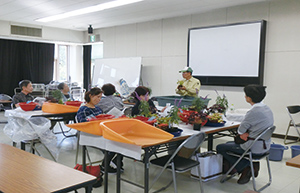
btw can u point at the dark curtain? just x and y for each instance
(21, 60)
(87, 54)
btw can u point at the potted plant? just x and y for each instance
(197, 104)
(220, 106)
(197, 119)
(180, 83)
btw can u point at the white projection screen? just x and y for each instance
(228, 55)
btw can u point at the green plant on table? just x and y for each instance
(198, 104)
(174, 113)
(144, 108)
(57, 95)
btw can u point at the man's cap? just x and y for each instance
(187, 69)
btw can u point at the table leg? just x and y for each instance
(89, 189)
(23, 145)
(84, 158)
(146, 173)
(210, 142)
(105, 172)
(118, 173)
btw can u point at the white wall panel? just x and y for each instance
(174, 38)
(284, 26)
(108, 36)
(152, 74)
(149, 38)
(170, 73)
(126, 41)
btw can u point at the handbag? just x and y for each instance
(93, 170)
(238, 140)
(211, 166)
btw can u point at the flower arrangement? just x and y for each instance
(215, 118)
(220, 106)
(197, 118)
(56, 97)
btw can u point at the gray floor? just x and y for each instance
(285, 179)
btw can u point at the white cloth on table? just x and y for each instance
(129, 150)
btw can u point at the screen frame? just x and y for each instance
(235, 80)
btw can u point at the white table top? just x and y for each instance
(135, 151)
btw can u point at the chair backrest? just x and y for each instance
(127, 111)
(293, 109)
(189, 147)
(294, 114)
(265, 135)
(78, 93)
(5, 97)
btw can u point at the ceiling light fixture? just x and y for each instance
(90, 9)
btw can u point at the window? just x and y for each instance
(97, 52)
(61, 66)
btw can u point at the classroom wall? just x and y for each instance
(56, 35)
(49, 34)
(163, 46)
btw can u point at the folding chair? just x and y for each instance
(293, 111)
(181, 162)
(86, 150)
(265, 135)
(34, 141)
(5, 106)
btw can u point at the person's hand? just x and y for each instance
(182, 88)
(244, 136)
(163, 109)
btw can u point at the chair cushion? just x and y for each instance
(181, 164)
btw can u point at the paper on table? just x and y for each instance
(116, 112)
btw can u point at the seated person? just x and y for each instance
(24, 95)
(65, 91)
(142, 93)
(257, 119)
(110, 101)
(189, 86)
(90, 110)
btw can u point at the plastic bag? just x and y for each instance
(20, 128)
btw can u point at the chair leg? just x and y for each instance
(49, 153)
(174, 177)
(200, 178)
(287, 131)
(253, 178)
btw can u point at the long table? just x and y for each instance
(294, 162)
(136, 152)
(25, 172)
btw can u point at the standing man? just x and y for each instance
(24, 95)
(189, 86)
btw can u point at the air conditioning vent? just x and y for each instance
(25, 31)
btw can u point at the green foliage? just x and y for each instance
(222, 101)
(198, 104)
(57, 95)
(180, 82)
(174, 117)
(144, 109)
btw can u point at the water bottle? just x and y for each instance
(124, 87)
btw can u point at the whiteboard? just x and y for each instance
(111, 70)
